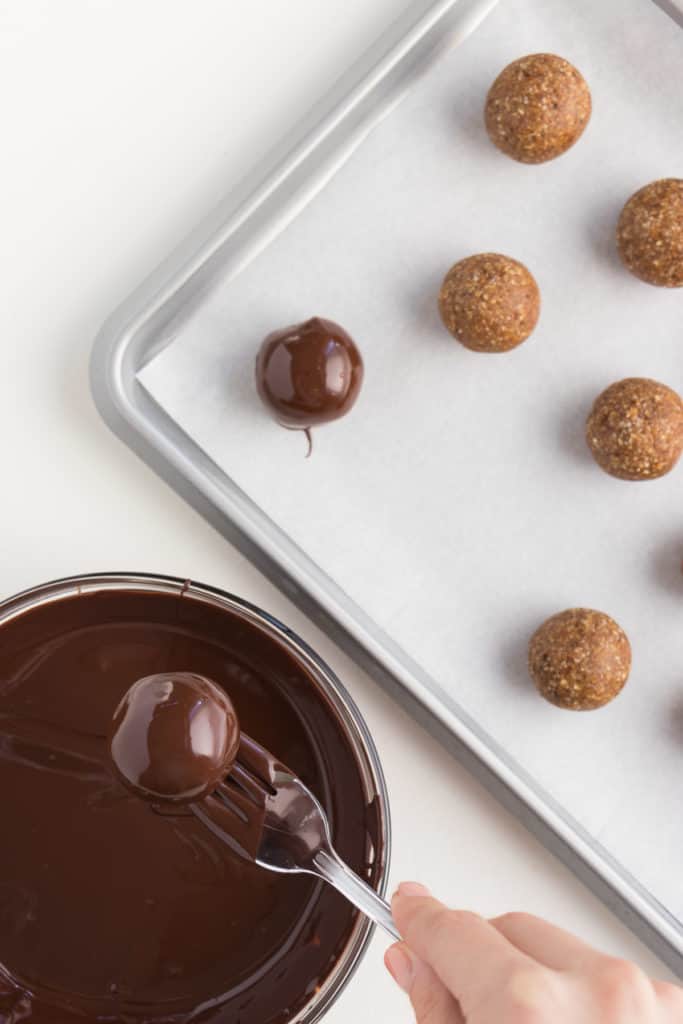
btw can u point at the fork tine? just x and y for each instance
(234, 817)
(242, 779)
(227, 826)
(234, 800)
(259, 762)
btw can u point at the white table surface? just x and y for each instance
(124, 121)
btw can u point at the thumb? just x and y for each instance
(470, 957)
(431, 1000)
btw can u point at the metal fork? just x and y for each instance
(264, 812)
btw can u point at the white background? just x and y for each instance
(123, 123)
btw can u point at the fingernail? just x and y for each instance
(412, 889)
(400, 966)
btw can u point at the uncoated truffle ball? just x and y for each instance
(579, 659)
(489, 302)
(635, 429)
(537, 108)
(650, 233)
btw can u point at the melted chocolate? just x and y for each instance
(174, 737)
(309, 374)
(110, 911)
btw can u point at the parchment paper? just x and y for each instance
(458, 504)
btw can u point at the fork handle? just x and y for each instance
(329, 865)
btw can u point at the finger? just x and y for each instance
(670, 998)
(431, 1000)
(544, 942)
(469, 955)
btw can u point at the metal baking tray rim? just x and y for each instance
(124, 345)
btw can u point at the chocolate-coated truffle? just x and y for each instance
(579, 659)
(635, 429)
(489, 302)
(309, 374)
(174, 737)
(537, 108)
(650, 233)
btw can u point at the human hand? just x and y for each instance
(459, 968)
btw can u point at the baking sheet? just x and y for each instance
(457, 504)
(673, 8)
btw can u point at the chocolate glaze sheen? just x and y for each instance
(174, 737)
(309, 374)
(113, 911)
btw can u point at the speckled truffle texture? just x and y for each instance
(650, 233)
(635, 429)
(579, 659)
(537, 108)
(489, 302)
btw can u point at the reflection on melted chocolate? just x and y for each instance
(110, 911)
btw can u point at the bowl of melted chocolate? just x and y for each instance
(115, 909)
